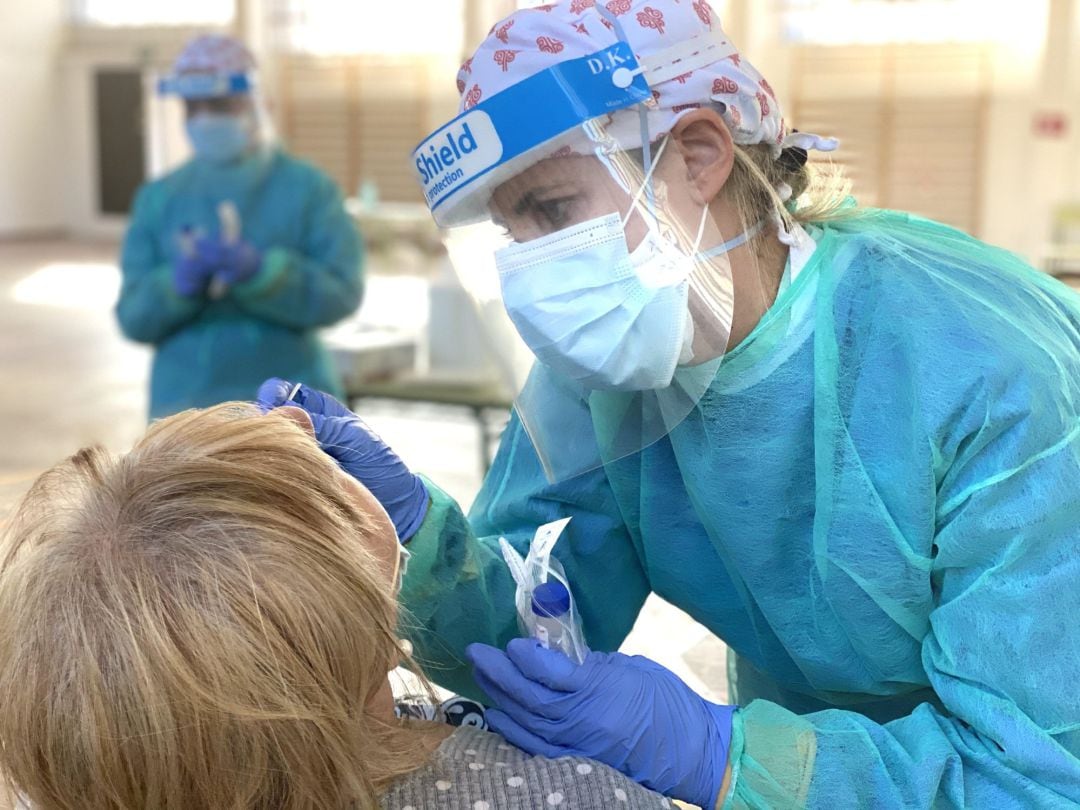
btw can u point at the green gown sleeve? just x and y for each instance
(1005, 574)
(458, 589)
(149, 308)
(319, 284)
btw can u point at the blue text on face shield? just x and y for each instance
(441, 158)
(507, 125)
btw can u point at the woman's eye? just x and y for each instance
(555, 212)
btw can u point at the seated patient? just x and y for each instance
(207, 623)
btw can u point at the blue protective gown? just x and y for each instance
(311, 276)
(876, 505)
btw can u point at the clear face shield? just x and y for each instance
(225, 115)
(597, 265)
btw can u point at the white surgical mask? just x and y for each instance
(598, 313)
(579, 303)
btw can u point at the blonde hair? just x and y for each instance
(197, 624)
(820, 192)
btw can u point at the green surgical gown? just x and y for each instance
(876, 506)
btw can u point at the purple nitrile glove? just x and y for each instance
(359, 451)
(233, 262)
(192, 274)
(239, 263)
(628, 712)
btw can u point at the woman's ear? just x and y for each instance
(298, 415)
(707, 150)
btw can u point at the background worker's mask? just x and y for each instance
(220, 137)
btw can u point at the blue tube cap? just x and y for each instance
(551, 600)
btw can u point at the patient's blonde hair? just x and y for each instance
(197, 624)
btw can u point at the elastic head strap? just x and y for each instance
(646, 183)
(707, 48)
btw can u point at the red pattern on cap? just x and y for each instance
(549, 45)
(650, 17)
(503, 58)
(460, 85)
(216, 54)
(473, 98)
(530, 41)
(503, 32)
(725, 85)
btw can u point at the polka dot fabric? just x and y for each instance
(532, 40)
(478, 770)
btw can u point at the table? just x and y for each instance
(483, 399)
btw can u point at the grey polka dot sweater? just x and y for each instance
(477, 770)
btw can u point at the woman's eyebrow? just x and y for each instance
(526, 201)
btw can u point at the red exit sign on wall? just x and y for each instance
(1051, 124)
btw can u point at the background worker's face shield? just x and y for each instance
(588, 247)
(224, 114)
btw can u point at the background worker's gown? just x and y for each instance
(876, 505)
(311, 276)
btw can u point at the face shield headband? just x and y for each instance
(206, 85)
(459, 163)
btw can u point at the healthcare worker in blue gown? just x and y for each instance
(846, 441)
(235, 259)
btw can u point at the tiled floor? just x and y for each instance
(70, 379)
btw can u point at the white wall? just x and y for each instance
(30, 174)
(85, 51)
(1024, 177)
(48, 148)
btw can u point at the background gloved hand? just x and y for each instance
(234, 262)
(359, 451)
(241, 262)
(192, 272)
(628, 712)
